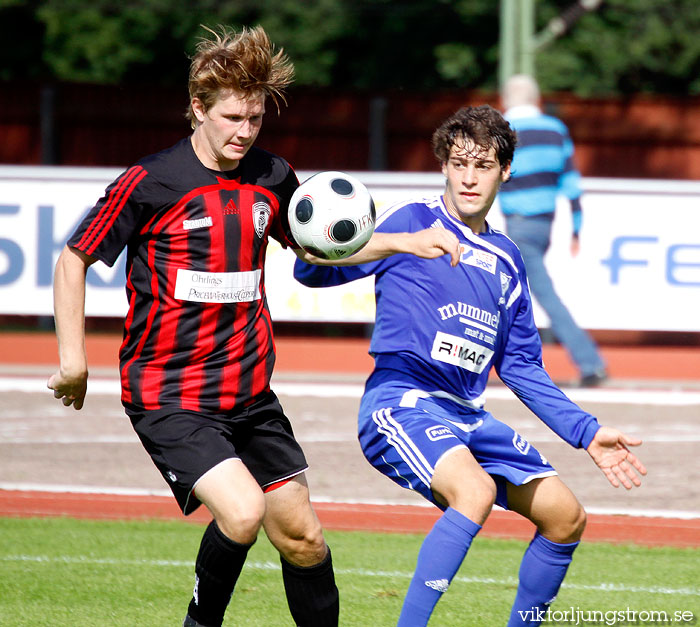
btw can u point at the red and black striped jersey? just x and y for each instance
(198, 333)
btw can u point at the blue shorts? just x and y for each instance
(405, 432)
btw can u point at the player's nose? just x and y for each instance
(469, 176)
(245, 130)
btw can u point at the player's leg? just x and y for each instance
(468, 493)
(276, 460)
(528, 484)
(237, 504)
(200, 464)
(560, 521)
(307, 568)
(408, 435)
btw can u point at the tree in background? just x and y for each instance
(127, 41)
(625, 46)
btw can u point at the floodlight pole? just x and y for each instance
(517, 52)
(519, 44)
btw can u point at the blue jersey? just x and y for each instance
(442, 329)
(542, 166)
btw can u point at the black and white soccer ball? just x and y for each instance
(332, 215)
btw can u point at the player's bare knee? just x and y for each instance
(568, 527)
(240, 529)
(241, 524)
(578, 524)
(473, 496)
(574, 525)
(312, 551)
(482, 490)
(304, 549)
(486, 497)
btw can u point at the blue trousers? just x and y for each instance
(532, 236)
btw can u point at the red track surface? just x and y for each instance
(349, 517)
(350, 356)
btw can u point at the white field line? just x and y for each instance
(320, 389)
(164, 492)
(334, 390)
(351, 572)
(593, 395)
(318, 438)
(59, 488)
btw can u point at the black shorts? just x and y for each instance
(185, 444)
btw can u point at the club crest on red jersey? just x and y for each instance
(261, 217)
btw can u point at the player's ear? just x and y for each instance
(198, 109)
(505, 173)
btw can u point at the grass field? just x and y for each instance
(60, 571)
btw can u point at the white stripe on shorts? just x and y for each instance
(407, 450)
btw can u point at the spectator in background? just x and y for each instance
(542, 169)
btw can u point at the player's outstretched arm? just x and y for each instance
(428, 244)
(609, 451)
(69, 382)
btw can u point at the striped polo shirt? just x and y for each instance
(542, 166)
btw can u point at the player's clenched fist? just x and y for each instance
(71, 390)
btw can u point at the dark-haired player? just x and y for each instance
(439, 331)
(198, 352)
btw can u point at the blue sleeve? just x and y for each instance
(570, 181)
(328, 276)
(521, 369)
(576, 215)
(392, 221)
(570, 184)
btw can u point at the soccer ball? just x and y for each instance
(331, 215)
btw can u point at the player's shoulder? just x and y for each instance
(175, 167)
(551, 123)
(167, 157)
(262, 167)
(499, 241)
(538, 122)
(409, 214)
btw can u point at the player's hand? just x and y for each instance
(609, 451)
(71, 389)
(431, 243)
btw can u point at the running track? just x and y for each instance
(669, 366)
